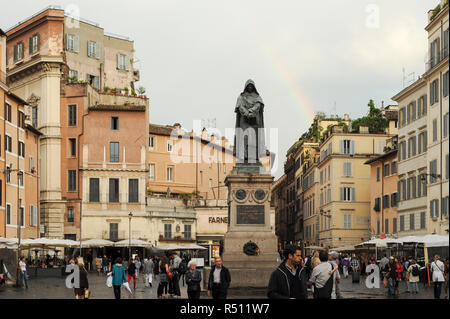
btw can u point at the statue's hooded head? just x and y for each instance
(250, 87)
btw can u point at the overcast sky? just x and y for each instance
(304, 56)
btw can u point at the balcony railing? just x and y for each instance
(435, 60)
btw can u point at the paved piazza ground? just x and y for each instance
(54, 288)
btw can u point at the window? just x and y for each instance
(378, 174)
(94, 190)
(434, 130)
(113, 231)
(169, 146)
(113, 190)
(321, 175)
(394, 225)
(347, 221)
(447, 167)
(445, 206)
(21, 149)
(33, 43)
(377, 204)
(347, 147)
(18, 52)
(21, 119)
(394, 168)
(8, 214)
(434, 208)
(151, 142)
(152, 172)
(411, 222)
(348, 194)
(433, 171)
(386, 201)
(378, 227)
(94, 49)
(114, 123)
(72, 115)
(445, 124)
(8, 174)
(33, 216)
(72, 185)
(73, 146)
(72, 43)
(34, 116)
(7, 112)
(434, 92)
(422, 220)
(393, 199)
(22, 216)
(187, 232)
(386, 226)
(167, 231)
(93, 80)
(8, 143)
(133, 191)
(445, 83)
(402, 223)
(114, 152)
(170, 174)
(70, 215)
(123, 62)
(422, 145)
(21, 177)
(348, 169)
(73, 76)
(386, 170)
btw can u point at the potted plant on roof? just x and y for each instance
(106, 89)
(133, 92)
(114, 91)
(141, 91)
(126, 91)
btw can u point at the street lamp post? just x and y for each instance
(130, 215)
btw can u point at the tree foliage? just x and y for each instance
(374, 120)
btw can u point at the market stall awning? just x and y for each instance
(344, 248)
(96, 243)
(133, 243)
(428, 240)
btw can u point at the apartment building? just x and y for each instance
(423, 138)
(383, 193)
(45, 53)
(344, 212)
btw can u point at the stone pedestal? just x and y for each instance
(249, 220)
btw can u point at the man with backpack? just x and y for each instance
(323, 277)
(412, 276)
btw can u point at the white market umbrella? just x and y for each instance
(168, 247)
(133, 243)
(96, 243)
(192, 247)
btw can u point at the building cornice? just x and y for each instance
(408, 90)
(437, 18)
(39, 63)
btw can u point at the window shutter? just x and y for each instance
(342, 193)
(118, 60)
(353, 195)
(30, 45)
(425, 101)
(420, 143)
(414, 110)
(342, 146)
(15, 53)
(127, 63)
(352, 147)
(98, 47)
(76, 43)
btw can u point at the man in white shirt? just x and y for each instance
(438, 276)
(23, 272)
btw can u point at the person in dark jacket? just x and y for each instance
(290, 279)
(193, 280)
(219, 280)
(132, 273)
(391, 275)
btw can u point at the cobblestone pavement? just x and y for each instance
(54, 288)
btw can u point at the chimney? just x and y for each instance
(382, 104)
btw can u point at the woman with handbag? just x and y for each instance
(164, 274)
(193, 280)
(438, 276)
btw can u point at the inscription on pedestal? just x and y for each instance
(250, 214)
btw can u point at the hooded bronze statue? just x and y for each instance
(249, 138)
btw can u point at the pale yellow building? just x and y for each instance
(343, 210)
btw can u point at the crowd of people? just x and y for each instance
(321, 273)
